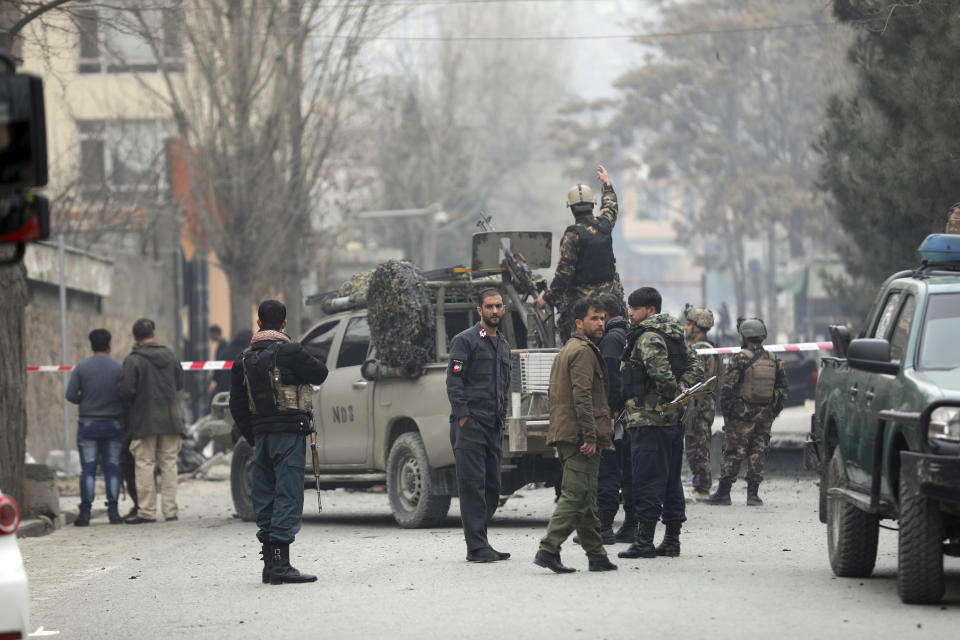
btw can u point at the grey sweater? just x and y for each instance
(93, 386)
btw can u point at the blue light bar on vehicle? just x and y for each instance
(940, 247)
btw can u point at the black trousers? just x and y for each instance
(478, 450)
(657, 456)
(615, 483)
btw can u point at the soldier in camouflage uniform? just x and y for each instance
(753, 394)
(586, 267)
(698, 419)
(657, 366)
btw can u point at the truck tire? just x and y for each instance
(851, 533)
(412, 502)
(240, 480)
(920, 548)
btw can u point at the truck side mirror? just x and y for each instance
(873, 355)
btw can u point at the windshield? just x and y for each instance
(940, 346)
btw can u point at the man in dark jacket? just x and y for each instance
(275, 416)
(150, 392)
(614, 465)
(478, 384)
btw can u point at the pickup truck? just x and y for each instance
(885, 434)
(382, 426)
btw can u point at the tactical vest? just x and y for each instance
(634, 381)
(759, 379)
(595, 260)
(707, 361)
(266, 393)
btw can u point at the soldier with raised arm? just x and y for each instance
(586, 267)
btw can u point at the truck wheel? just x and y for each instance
(920, 553)
(408, 484)
(851, 533)
(240, 480)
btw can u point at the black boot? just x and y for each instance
(601, 563)
(606, 528)
(267, 554)
(628, 530)
(753, 500)
(642, 547)
(670, 545)
(721, 496)
(281, 571)
(551, 561)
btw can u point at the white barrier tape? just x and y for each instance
(778, 348)
(189, 365)
(217, 365)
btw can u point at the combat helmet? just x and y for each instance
(701, 317)
(580, 194)
(753, 329)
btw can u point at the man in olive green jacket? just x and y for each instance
(580, 427)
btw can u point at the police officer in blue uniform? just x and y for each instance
(271, 403)
(478, 385)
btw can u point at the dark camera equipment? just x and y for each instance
(24, 217)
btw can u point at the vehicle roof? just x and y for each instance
(934, 282)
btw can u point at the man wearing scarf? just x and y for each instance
(275, 417)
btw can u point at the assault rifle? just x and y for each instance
(699, 390)
(515, 266)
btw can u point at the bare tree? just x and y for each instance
(260, 108)
(14, 17)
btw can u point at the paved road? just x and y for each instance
(743, 573)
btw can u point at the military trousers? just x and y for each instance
(279, 462)
(697, 437)
(576, 508)
(615, 484)
(478, 450)
(748, 439)
(657, 456)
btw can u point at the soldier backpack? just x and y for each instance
(595, 260)
(759, 379)
(266, 393)
(634, 381)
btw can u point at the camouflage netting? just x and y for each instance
(402, 325)
(357, 283)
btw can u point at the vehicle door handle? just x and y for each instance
(854, 391)
(360, 384)
(869, 395)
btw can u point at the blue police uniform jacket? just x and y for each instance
(478, 376)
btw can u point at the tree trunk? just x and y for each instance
(241, 301)
(13, 379)
(771, 283)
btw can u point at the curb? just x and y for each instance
(41, 525)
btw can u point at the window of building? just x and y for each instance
(123, 155)
(135, 39)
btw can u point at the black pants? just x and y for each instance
(478, 450)
(657, 456)
(615, 484)
(128, 470)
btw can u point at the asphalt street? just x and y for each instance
(743, 573)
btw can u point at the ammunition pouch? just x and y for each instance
(633, 381)
(295, 397)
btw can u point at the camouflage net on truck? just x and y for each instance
(357, 283)
(402, 325)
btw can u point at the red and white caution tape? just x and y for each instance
(799, 346)
(217, 365)
(196, 365)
